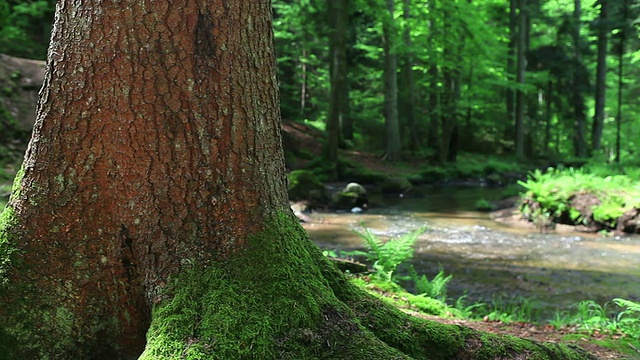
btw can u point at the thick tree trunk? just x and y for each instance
(155, 147)
(153, 202)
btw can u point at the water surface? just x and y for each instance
(490, 259)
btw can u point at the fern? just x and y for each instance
(435, 288)
(634, 307)
(387, 256)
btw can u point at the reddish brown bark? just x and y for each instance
(156, 144)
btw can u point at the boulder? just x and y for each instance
(353, 196)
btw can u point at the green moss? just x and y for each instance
(7, 219)
(281, 299)
(7, 249)
(17, 183)
(270, 302)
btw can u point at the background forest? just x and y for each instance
(552, 79)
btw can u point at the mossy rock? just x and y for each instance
(304, 185)
(396, 185)
(353, 195)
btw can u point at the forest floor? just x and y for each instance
(309, 140)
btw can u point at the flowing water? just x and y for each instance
(490, 260)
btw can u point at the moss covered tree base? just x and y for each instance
(281, 299)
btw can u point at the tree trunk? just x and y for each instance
(338, 73)
(391, 86)
(153, 202)
(409, 80)
(580, 143)
(155, 147)
(433, 75)
(601, 77)
(520, 79)
(622, 38)
(547, 117)
(511, 61)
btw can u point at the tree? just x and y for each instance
(153, 202)
(338, 18)
(602, 28)
(520, 77)
(580, 142)
(391, 84)
(409, 83)
(511, 56)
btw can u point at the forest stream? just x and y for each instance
(490, 260)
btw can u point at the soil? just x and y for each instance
(542, 333)
(302, 138)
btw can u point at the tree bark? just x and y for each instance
(155, 146)
(151, 220)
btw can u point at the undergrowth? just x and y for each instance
(552, 192)
(620, 318)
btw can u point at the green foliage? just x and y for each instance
(628, 320)
(387, 256)
(554, 190)
(435, 288)
(25, 27)
(508, 310)
(592, 317)
(483, 205)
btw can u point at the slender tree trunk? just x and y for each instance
(433, 75)
(410, 100)
(338, 17)
(391, 86)
(151, 213)
(621, 49)
(303, 83)
(511, 60)
(520, 79)
(580, 143)
(601, 76)
(547, 117)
